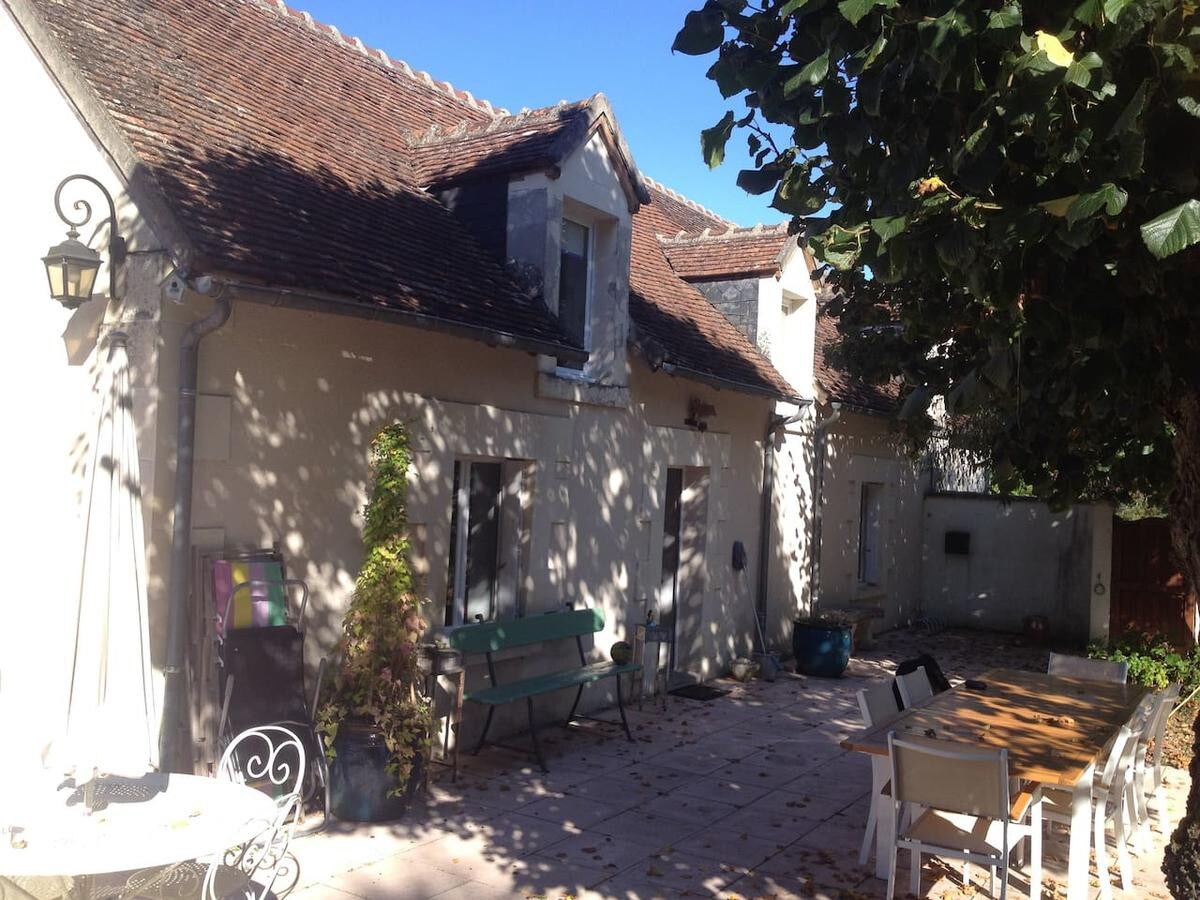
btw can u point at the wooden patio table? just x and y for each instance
(1054, 727)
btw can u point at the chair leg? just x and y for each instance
(992, 881)
(537, 749)
(1102, 852)
(868, 835)
(1003, 883)
(1035, 852)
(914, 875)
(891, 884)
(966, 873)
(1123, 860)
(621, 709)
(487, 723)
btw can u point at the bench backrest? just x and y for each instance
(488, 637)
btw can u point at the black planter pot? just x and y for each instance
(358, 777)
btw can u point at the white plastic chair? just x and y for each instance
(1147, 764)
(914, 687)
(268, 757)
(878, 707)
(1110, 803)
(969, 814)
(1091, 669)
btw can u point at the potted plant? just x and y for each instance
(821, 643)
(376, 724)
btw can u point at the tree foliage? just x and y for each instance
(1007, 195)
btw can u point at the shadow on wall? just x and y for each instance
(305, 408)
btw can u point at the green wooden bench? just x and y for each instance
(491, 637)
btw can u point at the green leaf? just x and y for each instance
(1058, 207)
(809, 74)
(702, 32)
(887, 227)
(1005, 18)
(1113, 8)
(854, 10)
(713, 141)
(1128, 117)
(790, 7)
(876, 49)
(1173, 230)
(759, 181)
(1190, 104)
(1108, 196)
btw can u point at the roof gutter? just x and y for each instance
(728, 383)
(313, 301)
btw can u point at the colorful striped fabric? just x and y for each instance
(254, 606)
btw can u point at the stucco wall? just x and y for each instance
(53, 363)
(860, 448)
(303, 393)
(1023, 560)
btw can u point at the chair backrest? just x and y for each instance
(1166, 703)
(1090, 669)
(267, 667)
(488, 637)
(268, 757)
(914, 687)
(952, 777)
(878, 704)
(249, 592)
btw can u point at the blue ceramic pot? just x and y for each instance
(821, 650)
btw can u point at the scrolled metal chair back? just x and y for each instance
(266, 753)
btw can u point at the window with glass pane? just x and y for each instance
(870, 551)
(573, 275)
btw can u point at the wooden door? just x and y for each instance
(1149, 593)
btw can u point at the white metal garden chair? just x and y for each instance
(914, 687)
(270, 758)
(1111, 799)
(1091, 669)
(1147, 764)
(969, 813)
(878, 707)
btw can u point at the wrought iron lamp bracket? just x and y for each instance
(117, 248)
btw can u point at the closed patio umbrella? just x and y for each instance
(110, 724)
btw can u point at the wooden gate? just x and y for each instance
(1149, 593)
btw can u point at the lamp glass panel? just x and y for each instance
(56, 271)
(81, 279)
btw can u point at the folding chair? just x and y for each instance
(914, 687)
(1148, 761)
(1090, 669)
(260, 653)
(878, 707)
(969, 814)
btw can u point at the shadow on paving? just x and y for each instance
(746, 796)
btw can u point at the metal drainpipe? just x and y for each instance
(174, 705)
(814, 562)
(774, 423)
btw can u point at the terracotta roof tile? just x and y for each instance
(840, 385)
(676, 212)
(281, 147)
(676, 324)
(726, 253)
(524, 142)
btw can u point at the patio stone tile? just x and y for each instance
(395, 878)
(599, 852)
(476, 890)
(572, 811)
(320, 892)
(343, 846)
(754, 775)
(688, 808)
(722, 789)
(652, 831)
(745, 849)
(516, 835)
(690, 761)
(822, 781)
(671, 875)
(784, 810)
(836, 837)
(826, 867)
(783, 887)
(472, 856)
(624, 791)
(543, 878)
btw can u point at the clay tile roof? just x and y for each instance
(727, 253)
(841, 386)
(675, 324)
(529, 140)
(281, 148)
(676, 212)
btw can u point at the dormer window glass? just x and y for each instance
(574, 283)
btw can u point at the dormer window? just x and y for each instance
(575, 284)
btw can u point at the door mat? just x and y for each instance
(698, 692)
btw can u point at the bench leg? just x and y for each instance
(621, 707)
(537, 749)
(483, 735)
(575, 705)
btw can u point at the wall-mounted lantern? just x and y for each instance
(71, 266)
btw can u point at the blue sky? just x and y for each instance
(537, 52)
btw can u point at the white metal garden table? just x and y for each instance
(140, 823)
